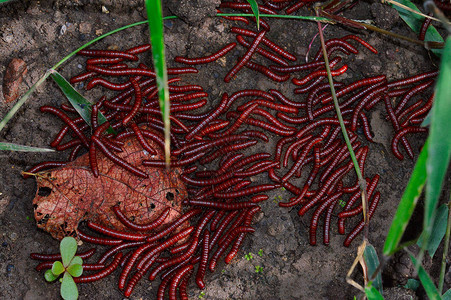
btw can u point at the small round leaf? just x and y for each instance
(68, 248)
(69, 290)
(75, 270)
(76, 261)
(49, 276)
(57, 268)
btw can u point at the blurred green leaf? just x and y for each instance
(22, 148)
(49, 276)
(447, 295)
(80, 103)
(57, 268)
(372, 263)
(75, 270)
(438, 230)
(69, 290)
(426, 281)
(439, 147)
(412, 284)
(68, 248)
(155, 19)
(255, 11)
(415, 21)
(372, 293)
(408, 202)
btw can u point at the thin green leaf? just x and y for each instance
(254, 7)
(408, 202)
(77, 260)
(439, 147)
(68, 248)
(426, 282)
(80, 103)
(372, 293)
(4, 1)
(447, 295)
(372, 263)
(69, 290)
(75, 270)
(415, 21)
(438, 230)
(49, 276)
(57, 268)
(155, 18)
(22, 148)
(412, 284)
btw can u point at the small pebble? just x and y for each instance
(63, 29)
(168, 23)
(9, 269)
(79, 66)
(13, 236)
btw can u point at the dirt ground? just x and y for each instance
(42, 33)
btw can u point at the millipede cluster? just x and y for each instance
(217, 148)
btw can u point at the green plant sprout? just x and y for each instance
(249, 256)
(341, 203)
(260, 252)
(201, 295)
(258, 269)
(71, 266)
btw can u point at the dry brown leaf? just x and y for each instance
(71, 194)
(14, 74)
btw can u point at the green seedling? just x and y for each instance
(249, 256)
(260, 252)
(258, 269)
(70, 266)
(341, 203)
(201, 295)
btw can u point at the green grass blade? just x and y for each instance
(372, 293)
(408, 202)
(80, 103)
(255, 11)
(155, 18)
(426, 282)
(22, 148)
(415, 21)
(372, 263)
(439, 147)
(438, 230)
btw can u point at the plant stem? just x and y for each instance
(445, 250)
(362, 182)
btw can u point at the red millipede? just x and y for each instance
(424, 28)
(52, 257)
(265, 41)
(400, 135)
(68, 121)
(360, 226)
(117, 160)
(319, 73)
(267, 72)
(204, 260)
(98, 240)
(116, 249)
(188, 215)
(412, 79)
(417, 89)
(248, 191)
(176, 280)
(275, 58)
(222, 206)
(314, 221)
(361, 41)
(115, 233)
(247, 56)
(102, 274)
(206, 59)
(233, 18)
